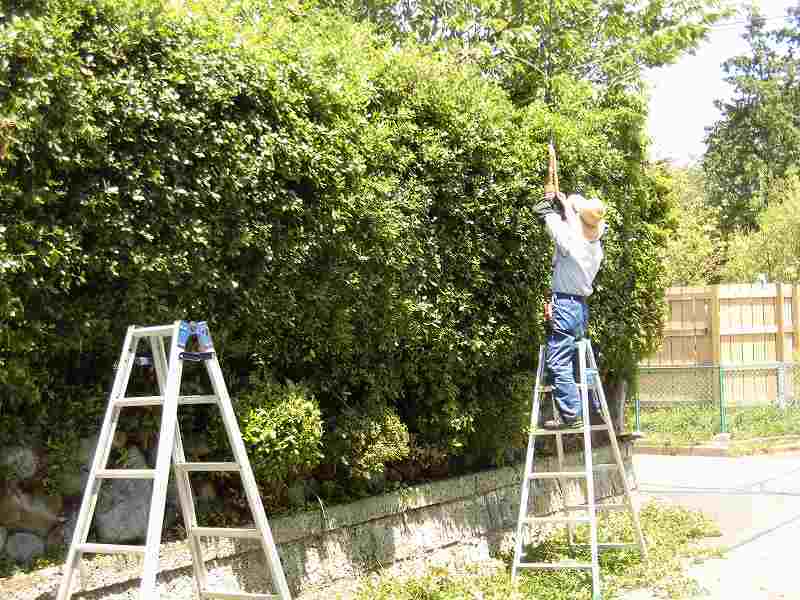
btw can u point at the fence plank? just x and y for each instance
(795, 318)
(781, 323)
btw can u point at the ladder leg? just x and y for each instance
(618, 457)
(166, 441)
(248, 479)
(529, 456)
(587, 451)
(186, 500)
(563, 483)
(101, 454)
(182, 481)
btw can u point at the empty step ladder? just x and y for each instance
(588, 379)
(170, 453)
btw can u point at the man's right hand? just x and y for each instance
(548, 311)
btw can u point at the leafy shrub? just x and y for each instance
(281, 426)
(364, 440)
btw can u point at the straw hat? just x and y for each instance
(591, 212)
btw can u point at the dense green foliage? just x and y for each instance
(352, 214)
(757, 140)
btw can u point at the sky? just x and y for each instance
(682, 95)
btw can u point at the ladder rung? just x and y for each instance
(110, 549)
(126, 473)
(610, 545)
(616, 545)
(557, 475)
(201, 399)
(605, 467)
(599, 507)
(568, 430)
(237, 595)
(564, 564)
(159, 400)
(207, 466)
(225, 532)
(558, 519)
(155, 330)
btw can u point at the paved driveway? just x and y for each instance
(756, 502)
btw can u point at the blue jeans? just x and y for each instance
(569, 324)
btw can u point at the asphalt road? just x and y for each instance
(756, 502)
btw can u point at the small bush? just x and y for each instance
(364, 440)
(282, 428)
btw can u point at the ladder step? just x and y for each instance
(126, 473)
(225, 532)
(616, 545)
(159, 400)
(567, 430)
(567, 474)
(598, 507)
(558, 475)
(564, 564)
(191, 467)
(610, 545)
(558, 520)
(237, 595)
(110, 549)
(605, 467)
(154, 331)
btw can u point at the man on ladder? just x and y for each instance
(576, 230)
(576, 226)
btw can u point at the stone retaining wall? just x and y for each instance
(473, 515)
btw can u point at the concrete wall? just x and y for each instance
(471, 515)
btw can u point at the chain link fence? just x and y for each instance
(694, 403)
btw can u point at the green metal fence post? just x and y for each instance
(637, 412)
(723, 416)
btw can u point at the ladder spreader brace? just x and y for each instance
(588, 378)
(171, 454)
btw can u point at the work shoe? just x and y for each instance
(559, 424)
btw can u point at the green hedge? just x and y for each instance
(355, 216)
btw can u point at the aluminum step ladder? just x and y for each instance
(170, 453)
(588, 378)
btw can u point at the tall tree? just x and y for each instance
(693, 253)
(774, 249)
(524, 43)
(757, 140)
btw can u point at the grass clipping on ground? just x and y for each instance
(669, 530)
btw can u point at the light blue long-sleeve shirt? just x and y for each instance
(576, 260)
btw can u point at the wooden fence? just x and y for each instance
(736, 339)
